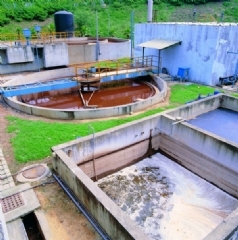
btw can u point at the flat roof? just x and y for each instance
(159, 43)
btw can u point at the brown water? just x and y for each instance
(107, 97)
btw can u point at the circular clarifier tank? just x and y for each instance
(109, 94)
(88, 101)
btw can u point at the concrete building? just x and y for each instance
(206, 48)
(18, 57)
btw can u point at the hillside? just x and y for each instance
(114, 18)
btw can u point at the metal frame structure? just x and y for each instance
(85, 74)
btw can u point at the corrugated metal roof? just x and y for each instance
(159, 43)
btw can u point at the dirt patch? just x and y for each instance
(64, 219)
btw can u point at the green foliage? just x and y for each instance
(3, 18)
(84, 21)
(114, 17)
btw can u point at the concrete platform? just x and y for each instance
(30, 199)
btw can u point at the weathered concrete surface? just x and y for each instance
(44, 227)
(20, 54)
(198, 107)
(55, 55)
(199, 163)
(106, 164)
(226, 229)
(204, 48)
(109, 141)
(109, 49)
(114, 221)
(17, 230)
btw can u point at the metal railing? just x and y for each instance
(97, 70)
(15, 39)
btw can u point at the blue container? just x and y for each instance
(92, 69)
(26, 32)
(38, 28)
(183, 73)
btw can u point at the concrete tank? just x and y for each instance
(64, 22)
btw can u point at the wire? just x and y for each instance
(37, 185)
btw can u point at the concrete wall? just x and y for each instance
(114, 221)
(20, 54)
(197, 108)
(56, 55)
(110, 141)
(76, 50)
(35, 64)
(204, 48)
(108, 51)
(207, 155)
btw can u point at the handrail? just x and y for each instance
(38, 38)
(96, 70)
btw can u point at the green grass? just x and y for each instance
(32, 140)
(234, 95)
(182, 93)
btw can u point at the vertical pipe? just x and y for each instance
(159, 62)
(94, 167)
(143, 55)
(97, 42)
(150, 10)
(37, 55)
(132, 33)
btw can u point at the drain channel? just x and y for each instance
(32, 227)
(11, 202)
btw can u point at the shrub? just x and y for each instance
(3, 18)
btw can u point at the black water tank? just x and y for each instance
(64, 22)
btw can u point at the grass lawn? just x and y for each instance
(32, 140)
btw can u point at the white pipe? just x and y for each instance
(150, 10)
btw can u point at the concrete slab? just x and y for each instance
(29, 198)
(42, 220)
(17, 230)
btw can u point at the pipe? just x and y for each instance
(81, 207)
(150, 10)
(132, 33)
(94, 167)
(159, 62)
(37, 55)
